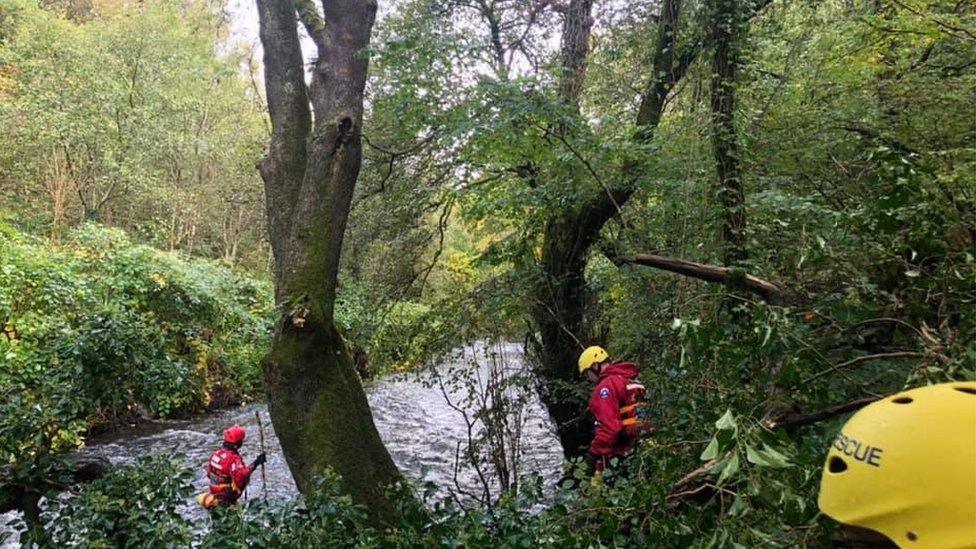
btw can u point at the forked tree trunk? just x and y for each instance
(560, 295)
(315, 398)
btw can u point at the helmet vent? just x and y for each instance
(902, 400)
(968, 390)
(836, 465)
(912, 536)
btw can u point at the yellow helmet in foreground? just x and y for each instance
(590, 356)
(905, 467)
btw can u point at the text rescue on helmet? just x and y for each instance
(853, 448)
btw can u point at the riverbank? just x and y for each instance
(420, 421)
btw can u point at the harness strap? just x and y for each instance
(631, 407)
(221, 487)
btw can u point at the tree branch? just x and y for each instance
(880, 356)
(289, 112)
(769, 292)
(687, 487)
(577, 23)
(792, 420)
(663, 72)
(312, 21)
(870, 133)
(953, 30)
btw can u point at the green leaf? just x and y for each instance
(730, 468)
(766, 457)
(753, 456)
(726, 422)
(738, 507)
(775, 458)
(711, 451)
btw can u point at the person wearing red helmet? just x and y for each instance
(227, 472)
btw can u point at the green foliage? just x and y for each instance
(136, 506)
(100, 330)
(855, 131)
(129, 118)
(324, 518)
(622, 511)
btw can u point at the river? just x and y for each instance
(419, 426)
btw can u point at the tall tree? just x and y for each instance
(315, 398)
(723, 34)
(560, 295)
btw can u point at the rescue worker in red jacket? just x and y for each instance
(227, 472)
(616, 404)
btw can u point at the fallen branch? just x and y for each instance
(687, 487)
(792, 420)
(695, 487)
(769, 292)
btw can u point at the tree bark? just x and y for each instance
(560, 294)
(315, 399)
(723, 33)
(769, 292)
(577, 24)
(792, 420)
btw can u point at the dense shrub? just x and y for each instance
(99, 330)
(138, 507)
(133, 507)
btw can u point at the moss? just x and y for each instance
(322, 418)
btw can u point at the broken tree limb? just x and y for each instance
(689, 488)
(769, 292)
(793, 420)
(695, 485)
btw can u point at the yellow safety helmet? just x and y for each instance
(590, 356)
(905, 467)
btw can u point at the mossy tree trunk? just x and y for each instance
(560, 295)
(315, 398)
(724, 34)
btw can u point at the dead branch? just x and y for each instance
(793, 420)
(688, 488)
(769, 292)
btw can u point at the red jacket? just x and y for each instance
(611, 394)
(228, 475)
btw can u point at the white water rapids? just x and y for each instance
(417, 424)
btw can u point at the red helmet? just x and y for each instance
(234, 435)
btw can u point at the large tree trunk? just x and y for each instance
(559, 316)
(315, 398)
(723, 33)
(560, 294)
